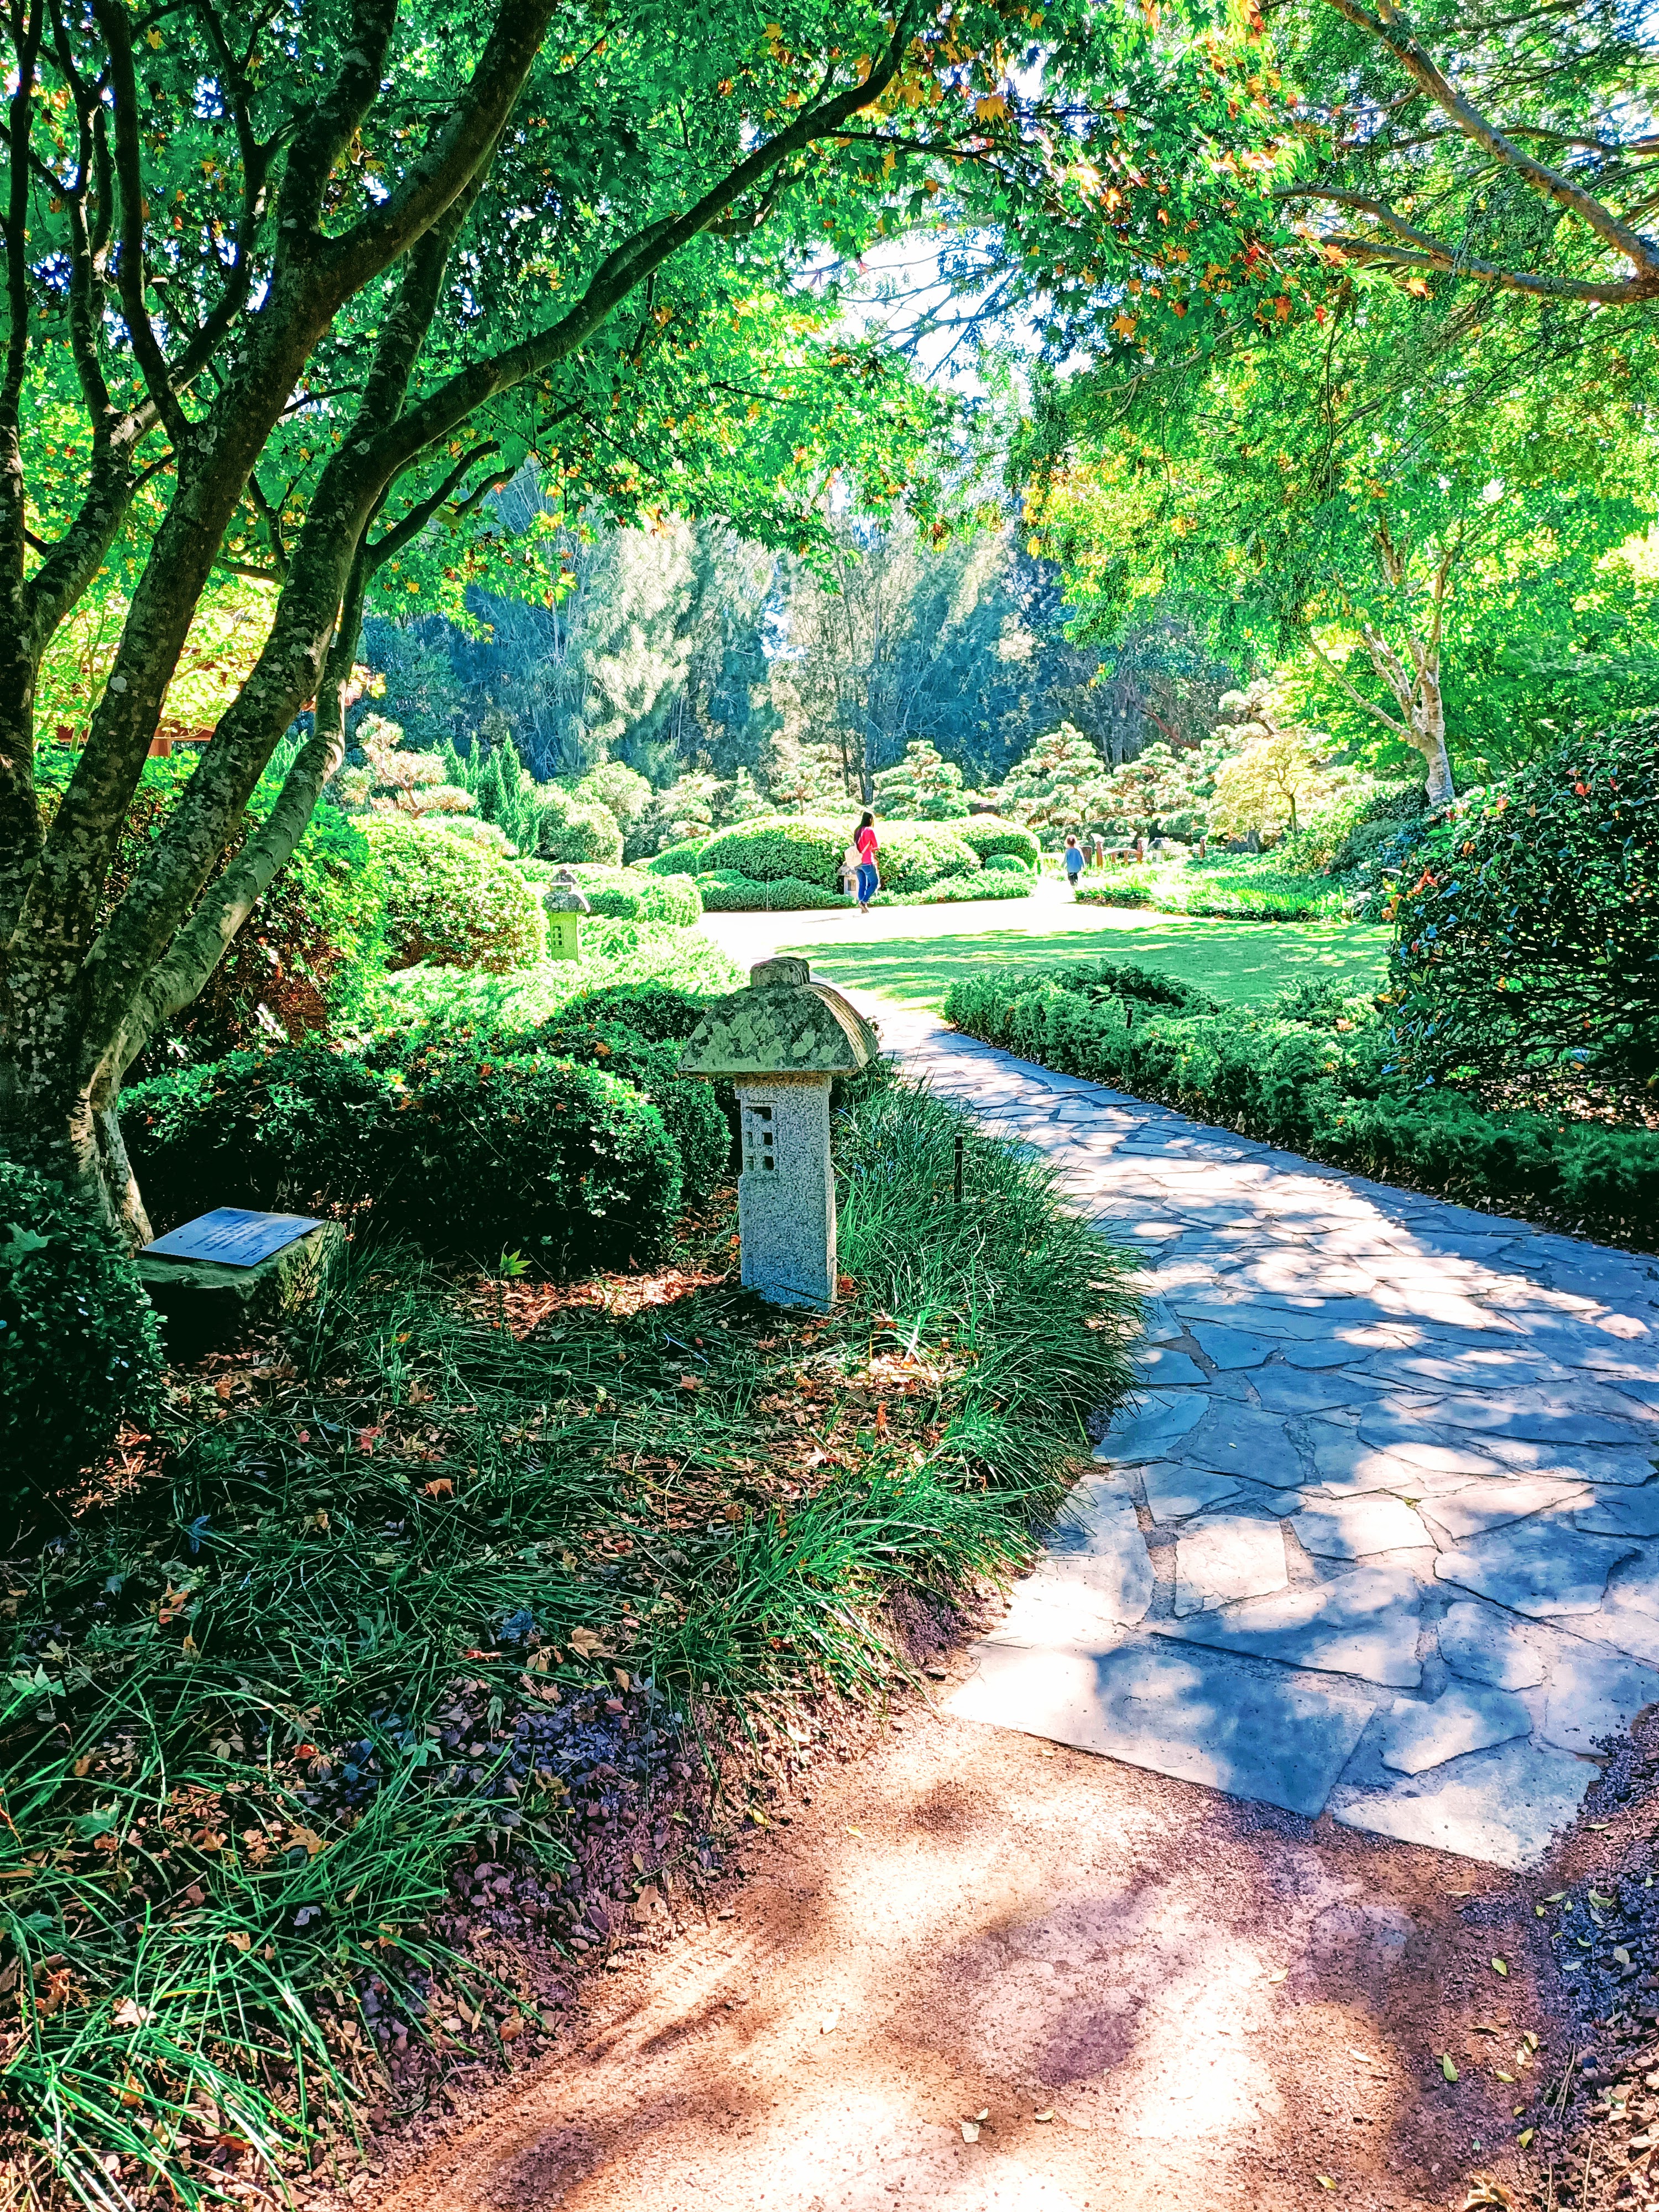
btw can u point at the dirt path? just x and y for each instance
(1218, 2003)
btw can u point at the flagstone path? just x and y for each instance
(1380, 1532)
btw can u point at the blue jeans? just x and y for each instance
(868, 881)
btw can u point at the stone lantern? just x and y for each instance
(781, 1042)
(565, 907)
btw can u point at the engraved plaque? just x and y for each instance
(233, 1237)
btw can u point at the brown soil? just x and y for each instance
(1154, 1996)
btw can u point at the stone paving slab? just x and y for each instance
(1380, 1533)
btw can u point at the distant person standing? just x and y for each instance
(867, 845)
(1074, 860)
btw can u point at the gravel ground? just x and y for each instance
(957, 1968)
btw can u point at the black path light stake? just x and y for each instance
(958, 1167)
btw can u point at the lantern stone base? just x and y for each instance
(787, 1190)
(203, 1304)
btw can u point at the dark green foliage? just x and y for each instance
(465, 1150)
(1526, 924)
(677, 859)
(78, 1346)
(988, 835)
(1314, 1074)
(803, 849)
(690, 1111)
(731, 893)
(290, 1129)
(913, 855)
(568, 1166)
(953, 890)
(655, 1011)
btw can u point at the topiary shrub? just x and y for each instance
(1008, 864)
(78, 1343)
(800, 849)
(289, 1129)
(913, 855)
(466, 1149)
(682, 859)
(954, 890)
(656, 1011)
(690, 1111)
(450, 903)
(522, 1152)
(1527, 927)
(992, 838)
(570, 828)
(631, 895)
(732, 893)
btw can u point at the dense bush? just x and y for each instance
(952, 891)
(913, 855)
(464, 1148)
(78, 1346)
(1312, 1073)
(451, 903)
(567, 1165)
(1526, 930)
(1009, 864)
(657, 1012)
(691, 1112)
(731, 893)
(1251, 890)
(800, 849)
(992, 837)
(632, 895)
(570, 828)
(612, 952)
(683, 859)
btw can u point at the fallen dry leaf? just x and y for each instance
(585, 1642)
(443, 1488)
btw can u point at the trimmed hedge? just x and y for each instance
(466, 1149)
(453, 903)
(1292, 1076)
(690, 1111)
(656, 1011)
(989, 835)
(801, 849)
(913, 855)
(952, 891)
(675, 860)
(78, 1344)
(732, 893)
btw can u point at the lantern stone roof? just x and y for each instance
(783, 1025)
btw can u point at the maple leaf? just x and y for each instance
(1124, 324)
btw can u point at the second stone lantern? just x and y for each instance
(780, 1043)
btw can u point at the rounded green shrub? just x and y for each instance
(803, 849)
(691, 1113)
(289, 1127)
(734, 894)
(451, 902)
(570, 828)
(989, 835)
(675, 860)
(631, 895)
(911, 855)
(1008, 864)
(78, 1343)
(953, 890)
(656, 1011)
(524, 1152)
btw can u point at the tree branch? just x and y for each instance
(1396, 36)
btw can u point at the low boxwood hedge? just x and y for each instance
(803, 849)
(691, 1112)
(731, 893)
(78, 1344)
(1317, 1077)
(952, 891)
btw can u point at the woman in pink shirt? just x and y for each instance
(868, 844)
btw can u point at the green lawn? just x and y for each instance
(1241, 963)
